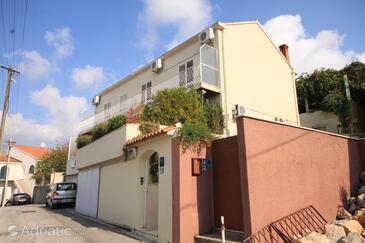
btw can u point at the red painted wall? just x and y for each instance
(227, 193)
(193, 207)
(287, 168)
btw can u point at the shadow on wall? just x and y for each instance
(344, 195)
(205, 205)
(356, 156)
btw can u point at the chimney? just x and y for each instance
(284, 49)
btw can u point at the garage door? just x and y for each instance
(88, 192)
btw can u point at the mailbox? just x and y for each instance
(196, 166)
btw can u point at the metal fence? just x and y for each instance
(291, 227)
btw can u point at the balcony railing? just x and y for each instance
(201, 76)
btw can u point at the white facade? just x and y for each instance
(28, 161)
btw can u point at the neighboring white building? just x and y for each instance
(29, 155)
(15, 174)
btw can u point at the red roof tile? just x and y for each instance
(140, 138)
(4, 158)
(36, 152)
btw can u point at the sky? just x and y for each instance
(71, 50)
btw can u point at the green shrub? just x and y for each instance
(83, 140)
(194, 135)
(116, 122)
(148, 127)
(214, 115)
(170, 106)
(99, 130)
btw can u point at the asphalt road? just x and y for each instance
(35, 223)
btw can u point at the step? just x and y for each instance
(234, 235)
(212, 238)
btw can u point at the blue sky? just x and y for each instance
(73, 49)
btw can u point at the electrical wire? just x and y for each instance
(4, 30)
(13, 31)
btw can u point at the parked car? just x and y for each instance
(61, 193)
(19, 198)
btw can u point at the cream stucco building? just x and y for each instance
(233, 64)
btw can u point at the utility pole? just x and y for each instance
(3, 197)
(11, 71)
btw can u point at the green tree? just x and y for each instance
(199, 118)
(54, 161)
(324, 89)
(170, 106)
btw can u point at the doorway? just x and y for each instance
(151, 192)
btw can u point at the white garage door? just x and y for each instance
(87, 192)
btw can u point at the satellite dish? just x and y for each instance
(43, 144)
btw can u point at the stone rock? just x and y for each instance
(313, 237)
(359, 212)
(360, 219)
(343, 214)
(361, 190)
(342, 240)
(334, 232)
(355, 238)
(362, 176)
(353, 207)
(350, 226)
(361, 200)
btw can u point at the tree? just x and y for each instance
(324, 89)
(54, 161)
(199, 118)
(170, 106)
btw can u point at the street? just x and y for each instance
(36, 223)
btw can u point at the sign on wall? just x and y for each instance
(162, 164)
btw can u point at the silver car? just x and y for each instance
(61, 193)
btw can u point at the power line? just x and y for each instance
(13, 32)
(4, 30)
(23, 34)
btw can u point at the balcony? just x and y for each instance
(202, 77)
(106, 148)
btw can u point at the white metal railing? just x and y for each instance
(204, 72)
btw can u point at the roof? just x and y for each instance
(143, 137)
(4, 158)
(36, 152)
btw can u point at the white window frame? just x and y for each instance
(146, 95)
(107, 110)
(123, 104)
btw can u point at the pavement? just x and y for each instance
(37, 224)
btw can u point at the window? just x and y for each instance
(66, 187)
(31, 169)
(189, 73)
(123, 104)
(3, 172)
(186, 74)
(182, 75)
(107, 108)
(146, 93)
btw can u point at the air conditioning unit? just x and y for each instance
(156, 65)
(207, 36)
(238, 110)
(96, 100)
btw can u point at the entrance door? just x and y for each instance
(151, 192)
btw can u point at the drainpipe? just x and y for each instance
(222, 78)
